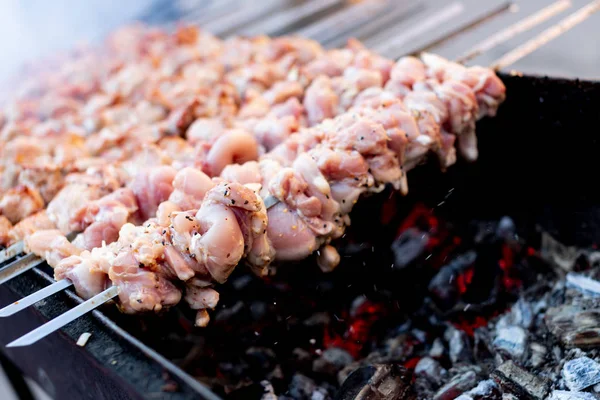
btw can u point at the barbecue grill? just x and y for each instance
(536, 163)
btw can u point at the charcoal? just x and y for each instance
(460, 346)
(442, 286)
(538, 354)
(583, 284)
(431, 370)
(521, 314)
(506, 228)
(269, 391)
(566, 395)
(457, 386)
(332, 361)
(482, 344)
(485, 390)
(573, 326)
(519, 382)
(302, 387)
(511, 341)
(261, 360)
(581, 373)
(437, 348)
(377, 382)
(408, 247)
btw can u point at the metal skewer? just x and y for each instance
(546, 36)
(65, 318)
(35, 297)
(12, 251)
(16, 268)
(24, 263)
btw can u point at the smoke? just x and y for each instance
(31, 29)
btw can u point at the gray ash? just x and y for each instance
(422, 308)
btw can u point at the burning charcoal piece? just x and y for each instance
(460, 346)
(409, 246)
(443, 286)
(302, 387)
(521, 383)
(581, 373)
(584, 284)
(457, 386)
(269, 391)
(431, 370)
(538, 354)
(506, 229)
(437, 349)
(511, 341)
(521, 314)
(332, 361)
(574, 326)
(566, 395)
(377, 382)
(485, 390)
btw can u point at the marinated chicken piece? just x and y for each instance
(20, 202)
(204, 130)
(282, 91)
(462, 110)
(51, 245)
(189, 188)
(48, 179)
(320, 100)
(404, 74)
(151, 187)
(83, 270)
(271, 131)
(5, 228)
(36, 222)
(234, 146)
(178, 150)
(70, 199)
(100, 220)
(200, 296)
(220, 242)
(138, 269)
(489, 89)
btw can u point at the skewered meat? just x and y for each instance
(5, 229)
(36, 222)
(51, 245)
(20, 202)
(316, 129)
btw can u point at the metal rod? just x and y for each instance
(64, 319)
(546, 36)
(35, 297)
(515, 29)
(12, 251)
(284, 19)
(19, 266)
(436, 19)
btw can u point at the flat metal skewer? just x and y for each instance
(12, 251)
(16, 268)
(546, 36)
(64, 319)
(25, 263)
(513, 30)
(35, 297)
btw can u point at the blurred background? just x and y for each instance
(34, 28)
